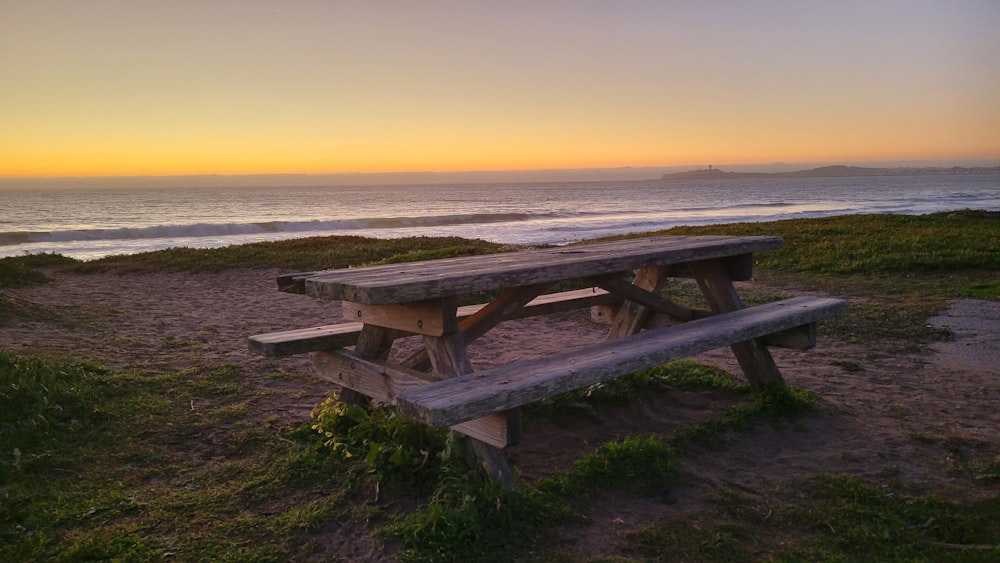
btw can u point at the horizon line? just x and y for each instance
(553, 174)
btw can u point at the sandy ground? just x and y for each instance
(865, 426)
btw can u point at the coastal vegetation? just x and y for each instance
(116, 464)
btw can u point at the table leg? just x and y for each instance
(631, 316)
(753, 356)
(450, 358)
(374, 343)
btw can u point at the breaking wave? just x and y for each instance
(230, 229)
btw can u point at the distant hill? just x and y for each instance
(836, 171)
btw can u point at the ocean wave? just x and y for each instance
(229, 229)
(753, 205)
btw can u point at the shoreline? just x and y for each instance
(456, 231)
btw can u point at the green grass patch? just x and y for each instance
(393, 448)
(21, 271)
(139, 470)
(855, 520)
(313, 253)
(44, 405)
(133, 465)
(989, 290)
(15, 274)
(865, 245)
(986, 470)
(826, 518)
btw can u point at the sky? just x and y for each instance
(148, 87)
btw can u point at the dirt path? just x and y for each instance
(912, 417)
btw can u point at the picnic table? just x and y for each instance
(438, 384)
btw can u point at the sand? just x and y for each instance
(866, 423)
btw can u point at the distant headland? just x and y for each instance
(836, 171)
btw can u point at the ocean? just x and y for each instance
(89, 223)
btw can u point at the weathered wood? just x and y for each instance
(383, 382)
(374, 343)
(378, 380)
(494, 460)
(448, 355)
(738, 267)
(329, 337)
(498, 310)
(753, 356)
(303, 340)
(563, 301)
(429, 317)
(417, 281)
(633, 312)
(798, 338)
(605, 314)
(452, 401)
(601, 314)
(637, 294)
(450, 359)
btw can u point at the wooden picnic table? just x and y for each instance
(438, 384)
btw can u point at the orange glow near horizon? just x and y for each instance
(446, 155)
(185, 88)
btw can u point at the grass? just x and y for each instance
(26, 270)
(97, 464)
(315, 253)
(113, 474)
(42, 405)
(876, 246)
(830, 518)
(135, 466)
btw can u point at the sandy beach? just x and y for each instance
(864, 426)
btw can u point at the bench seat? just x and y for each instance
(331, 337)
(453, 401)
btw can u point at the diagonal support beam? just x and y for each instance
(645, 298)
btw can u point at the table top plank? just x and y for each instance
(416, 281)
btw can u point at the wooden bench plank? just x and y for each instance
(798, 338)
(330, 337)
(303, 340)
(452, 401)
